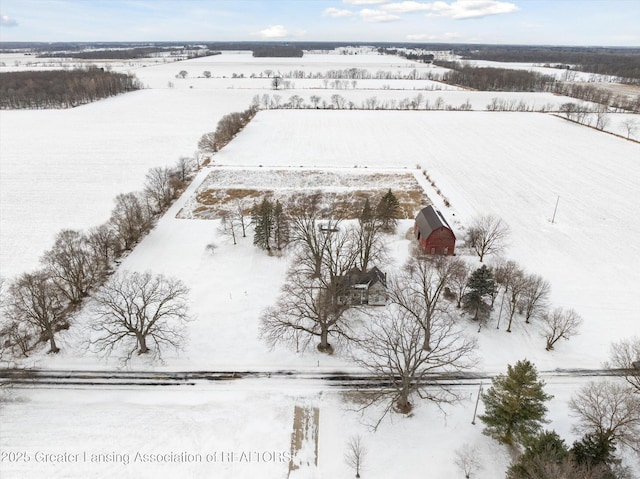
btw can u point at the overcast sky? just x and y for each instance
(549, 22)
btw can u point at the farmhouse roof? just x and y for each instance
(360, 279)
(430, 219)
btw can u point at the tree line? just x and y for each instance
(621, 62)
(62, 88)
(493, 79)
(228, 127)
(36, 305)
(131, 53)
(502, 79)
(416, 102)
(277, 51)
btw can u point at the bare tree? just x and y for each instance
(487, 235)
(419, 287)
(229, 225)
(369, 238)
(73, 266)
(630, 125)
(602, 117)
(158, 188)
(459, 279)
(535, 296)
(184, 168)
(516, 287)
(207, 142)
(306, 230)
(354, 456)
(513, 280)
(467, 460)
(35, 300)
(16, 337)
(240, 210)
(130, 220)
(311, 304)
(392, 348)
(625, 355)
(276, 82)
(137, 308)
(315, 99)
(560, 324)
(102, 241)
(610, 410)
(338, 101)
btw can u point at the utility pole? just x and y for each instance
(555, 210)
(473, 421)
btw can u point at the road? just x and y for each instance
(90, 378)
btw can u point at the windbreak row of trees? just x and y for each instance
(37, 305)
(228, 127)
(61, 88)
(416, 102)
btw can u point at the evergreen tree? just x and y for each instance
(262, 218)
(514, 404)
(540, 450)
(594, 449)
(366, 215)
(480, 286)
(280, 228)
(388, 210)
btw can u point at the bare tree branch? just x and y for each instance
(135, 308)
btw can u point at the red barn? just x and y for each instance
(433, 232)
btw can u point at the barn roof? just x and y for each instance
(430, 219)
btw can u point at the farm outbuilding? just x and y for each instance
(433, 233)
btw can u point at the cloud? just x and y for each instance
(408, 7)
(458, 10)
(273, 31)
(6, 21)
(377, 16)
(433, 38)
(364, 2)
(336, 13)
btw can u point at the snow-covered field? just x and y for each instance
(61, 169)
(560, 74)
(239, 430)
(517, 174)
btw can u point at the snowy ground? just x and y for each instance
(239, 429)
(62, 168)
(524, 168)
(512, 164)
